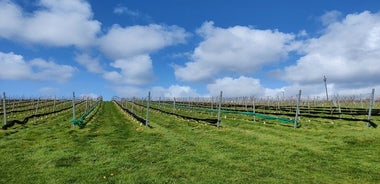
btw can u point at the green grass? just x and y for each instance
(113, 148)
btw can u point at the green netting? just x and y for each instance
(261, 116)
(79, 121)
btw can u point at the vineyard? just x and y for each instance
(190, 140)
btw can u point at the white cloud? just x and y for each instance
(237, 49)
(88, 95)
(121, 43)
(14, 67)
(331, 17)
(318, 90)
(125, 10)
(347, 53)
(11, 19)
(158, 91)
(133, 71)
(91, 64)
(242, 86)
(113, 76)
(56, 23)
(131, 47)
(174, 91)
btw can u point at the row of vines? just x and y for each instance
(20, 110)
(286, 110)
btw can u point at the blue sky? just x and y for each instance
(187, 48)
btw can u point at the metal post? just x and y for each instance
(297, 110)
(370, 107)
(147, 111)
(73, 105)
(4, 109)
(219, 108)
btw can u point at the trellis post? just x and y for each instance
(37, 106)
(4, 109)
(54, 104)
(254, 109)
(325, 80)
(174, 105)
(147, 110)
(370, 107)
(297, 109)
(73, 103)
(219, 108)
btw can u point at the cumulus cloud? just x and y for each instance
(91, 64)
(242, 86)
(136, 70)
(121, 43)
(14, 67)
(130, 48)
(238, 49)
(347, 53)
(175, 91)
(56, 23)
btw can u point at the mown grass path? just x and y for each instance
(56, 152)
(113, 148)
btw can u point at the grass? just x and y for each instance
(113, 148)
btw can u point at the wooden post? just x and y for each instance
(4, 109)
(147, 111)
(219, 108)
(297, 110)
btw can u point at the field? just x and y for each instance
(113, 147)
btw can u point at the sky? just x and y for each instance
(189, 48)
